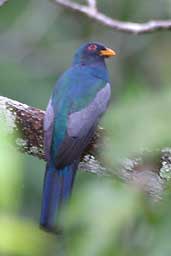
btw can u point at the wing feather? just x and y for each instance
(48, 129)
(81, 126)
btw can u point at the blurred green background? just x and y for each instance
(37, 43)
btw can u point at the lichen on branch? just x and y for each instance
(27, 123)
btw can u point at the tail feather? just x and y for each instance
(68, 179)
(56, 190)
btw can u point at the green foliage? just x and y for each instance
(137, 124)
(18, 236)
(10, 172)
(109, 219)
(93, 228)
(22, 237)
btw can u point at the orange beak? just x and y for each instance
(107, 52)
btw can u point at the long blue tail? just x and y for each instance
(56, 190)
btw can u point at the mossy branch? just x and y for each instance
(149, 174)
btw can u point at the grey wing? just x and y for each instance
(81, 127)
(48, 129)
(72, 148)
(80, 122)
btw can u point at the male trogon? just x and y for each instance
(79, 98)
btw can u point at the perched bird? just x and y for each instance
(79, 98)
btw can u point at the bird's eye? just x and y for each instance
(92, 47)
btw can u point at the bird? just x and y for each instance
(78, 100)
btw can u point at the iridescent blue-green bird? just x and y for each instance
(79, 98)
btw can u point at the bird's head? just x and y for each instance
(92, 52)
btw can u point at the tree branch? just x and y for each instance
(27, 123)
(92, 4)
(130, 27)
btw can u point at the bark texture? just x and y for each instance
(147, 172)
